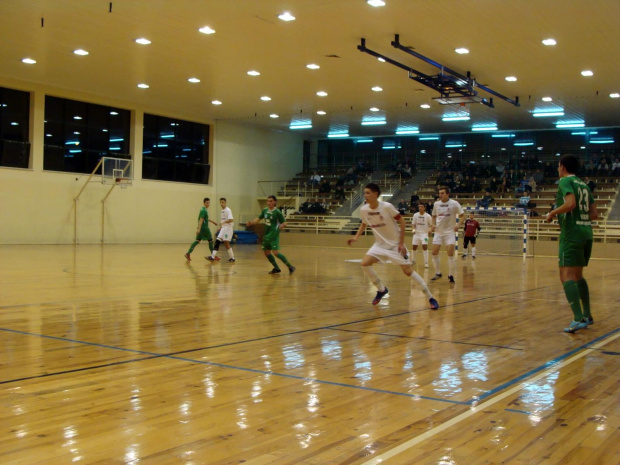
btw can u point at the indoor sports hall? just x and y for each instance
(117, 120)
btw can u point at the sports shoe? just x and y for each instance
(275, 271)
(451, 279)
(436, 277)
(426, 265)
(434, 303)
(473, 257)
(291, 269)
(210, 258)
(231, 260)
(576, 326)
(589, 320)
(217, 258)
(187, 257)
(464, 256)
(379, 296)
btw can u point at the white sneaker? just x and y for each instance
(426, 265)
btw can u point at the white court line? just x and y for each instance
(444, 426)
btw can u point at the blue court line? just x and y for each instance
(517, 411)
(538, 369)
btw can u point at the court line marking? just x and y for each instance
(475, 409)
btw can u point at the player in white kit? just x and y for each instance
(444, 226)
(225, 234)
(421, 224)
(388, 228)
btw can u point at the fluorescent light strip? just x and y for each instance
(451, 146)
(363, 141)
(343, 134)
(522, 144)
(569, 125)
(373, 123)
(602, 141)
(542, 114)
(506, 136)
(300, 126)
(484, 128)
(455, 118)
(428, 138)
(407, 131)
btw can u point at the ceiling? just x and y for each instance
(504, 39)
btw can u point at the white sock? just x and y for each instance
(473, 251)
(465, 252)
(373, 278)
(451, 265)
(231, 253)
(425, 252)
(418, 279)
(214, 253)
(436, 264)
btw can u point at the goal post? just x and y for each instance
(503, 231)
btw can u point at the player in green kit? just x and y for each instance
(274, 221)
(575, 211)
(202, 231)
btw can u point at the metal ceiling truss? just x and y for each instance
(453, 87)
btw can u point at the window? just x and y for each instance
(78, 134)
(175, 150)
(14, 128)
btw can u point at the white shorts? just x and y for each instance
(382, 254)
(448, 238)
(420, 239)
(225, 234)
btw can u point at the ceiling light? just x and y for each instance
(14, 123)
(312, 66)
(29, 61)
(363, 141)
(143, 41)
(321, 93)
(207, 30)
(425, 105)
(81, 52)
(265, 98)
(374, 109)
(77, 117)
(429, 138)
(300, 126)
(547, 99)
(377, 89)
(455, 118)
(601, 141)
(549, 42)
(216, 102)
(286, 16)
(274, 116)
(486, 127)
(614, 95)
(503, 135)
(587, 73)
(575, 124)
(454, 145)
(523, 143)
(320, 112)
(194, 80)
(401, 132)
(542, 114)
(382, 60)
(461, 51)
(511, 78)
(374, 123)
(253, 73)
(376, 3)
(338, 134)
(114, 113)
(143, 86)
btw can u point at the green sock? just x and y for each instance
(572, 294)
(211, 245)
(283, 258)
(584, 293)
(272, 260)
(191, 247)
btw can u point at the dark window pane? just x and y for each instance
(14, 128)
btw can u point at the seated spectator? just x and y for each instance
(305, 207)
(591, 184)
(486, 200)
(325, 187)
(538, 176)
(402, 207)
(500, 168)
(503, 187)
(314, 180)
(615, 167)
(339, 194)
(317, 207)
(523, 186)
(533, 184)
(475, 185)
(523, 203)
(590, 167)
(494, 184)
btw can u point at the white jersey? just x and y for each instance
(382, 221)
(224, 216)
(421, 223)
(445, 214)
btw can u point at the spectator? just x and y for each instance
(615, 167)
(591, 184)
(538, 176)
(315, 179)
(475, 185)
(603, 166)
(305, 207)
(402, 207)
(325, 187)
(533, 184)
(500, 168)
(494, 184)
(486, 200)
(590, 167)
(339, 194)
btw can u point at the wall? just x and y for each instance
(37, 207)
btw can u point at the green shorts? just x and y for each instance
(271, 244)
(205, 234)
(575, 253)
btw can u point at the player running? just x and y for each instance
(421, 224)
(202, 231)
(444, 226)
(225, 234)
(471, 231)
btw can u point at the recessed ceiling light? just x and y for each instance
(273, 115)
(286, 16)
(425, 105)
(382, 60)
(81, 52)
(29, 61)
(321, 112)
(549, 42)
(511, 78)
(321, 93)
(114, 113)
(265, 98)
(587, 73)
(207, 30)
(14, 123)
(614, 95)
(216, 102)
(312, 66)
(547, 99)
(376, 3)
(193, 80)
(377, 89)
(374, 109)
(253, 72)
(77, 117)
(143, 86)
(143, 41)
(461, 51)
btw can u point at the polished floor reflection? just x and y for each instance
(129, 354)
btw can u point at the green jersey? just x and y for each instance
(204, 214)
(575, 224)
(273, 219)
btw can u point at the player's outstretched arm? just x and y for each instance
(251, 222)
(360, 230)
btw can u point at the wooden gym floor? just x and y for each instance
(127, 354)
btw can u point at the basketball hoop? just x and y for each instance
(124, 183)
